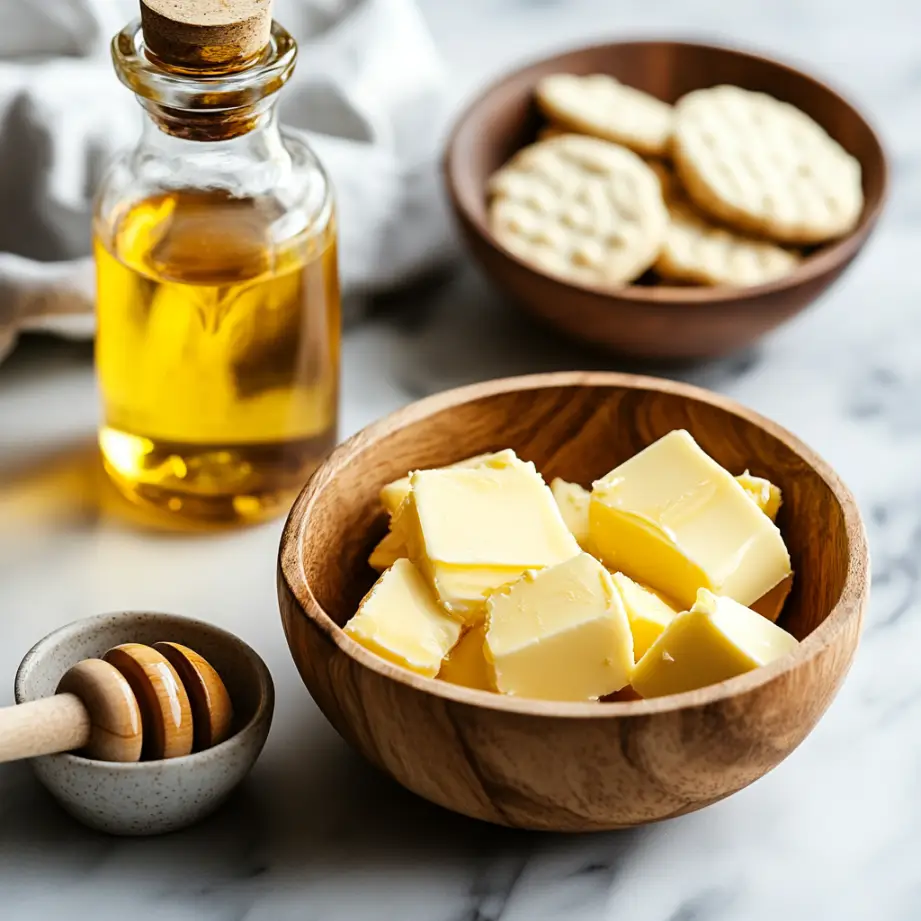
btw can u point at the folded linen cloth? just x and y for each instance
(369, 90)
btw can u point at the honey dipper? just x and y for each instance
(135, 703)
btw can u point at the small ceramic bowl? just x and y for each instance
(653, 321)
(151, 797)
(569, 766)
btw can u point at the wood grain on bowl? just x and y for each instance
(568, 766)
(652, 321)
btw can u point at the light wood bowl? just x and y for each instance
(565, 766)
(653, 321)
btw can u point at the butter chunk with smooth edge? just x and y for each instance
(672, 518)
(400, 620)
(718, 638)
(466, 663)
(472, 531)
(649, 615)
(393, 494)
(390, 549)
(573, 501)
(560, 633)
(392, 546)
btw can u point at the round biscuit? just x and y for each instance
(580, 208)
(764, 167)
(598, 105)
(699, 252)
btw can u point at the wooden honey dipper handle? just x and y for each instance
(44, 727)
(94, 710)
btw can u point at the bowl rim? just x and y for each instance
(835, 253)
(850, 604)
(252, 727)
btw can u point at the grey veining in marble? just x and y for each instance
(834, 833)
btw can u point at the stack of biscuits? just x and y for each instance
(726, 187)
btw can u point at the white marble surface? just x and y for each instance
(835, 832)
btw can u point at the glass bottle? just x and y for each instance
(217, 348)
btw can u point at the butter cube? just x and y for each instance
(472, 531)
(717, 639)
(573, 501)
(400, 620)
(762, 492)
(675, 520)
(648, 614)
(393, 494)
(390, 549)
(560, 633)
(466, 663)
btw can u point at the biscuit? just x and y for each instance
(579, 208)
(764, 167)
(697, 251)
(600, 106)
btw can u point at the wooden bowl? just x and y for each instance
(639, 320)
(569, 766)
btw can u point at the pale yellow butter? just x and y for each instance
(762, 492)
(393, 494)
(573, 501)
(466, 663)
(648, 614)
(718, 638)
(675, 520)
(400, 620)
(392, 546)
(560, 634)
(472, 531)
(390, 549)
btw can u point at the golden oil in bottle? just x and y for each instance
(217, 353)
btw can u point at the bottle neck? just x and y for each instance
(259, 122)
(206, 106)
(244, 152)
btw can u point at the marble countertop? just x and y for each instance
(835, 832)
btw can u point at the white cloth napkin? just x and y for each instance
(368, 89)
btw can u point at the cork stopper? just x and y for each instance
(206, 35)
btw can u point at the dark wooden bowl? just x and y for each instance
(568, 766)
(648, 321)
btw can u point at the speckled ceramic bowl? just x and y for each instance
(152, 797)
